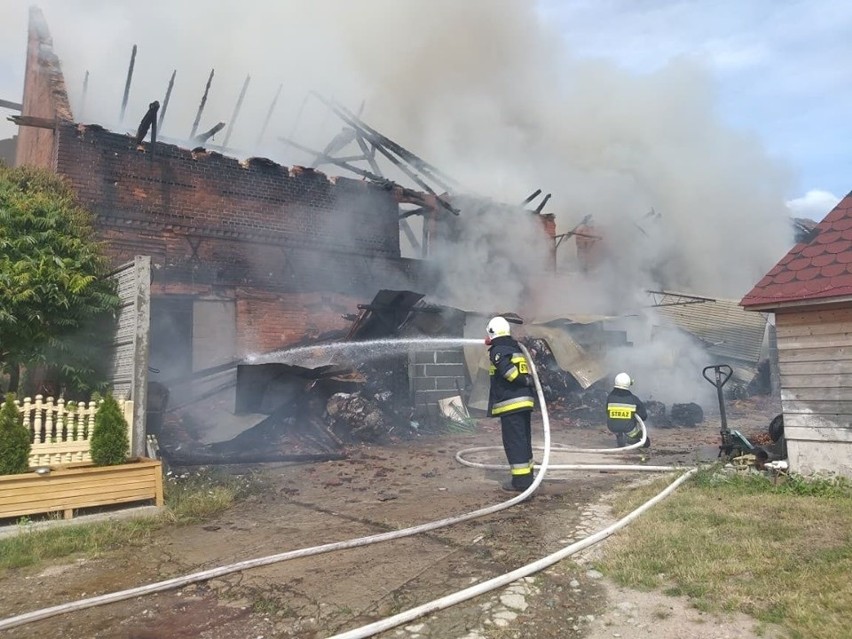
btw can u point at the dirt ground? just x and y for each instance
(376, 489)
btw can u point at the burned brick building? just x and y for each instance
(281, 253)
(248, 256)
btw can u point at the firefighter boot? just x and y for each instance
(518, 483)
(620, 440)
(636, 434)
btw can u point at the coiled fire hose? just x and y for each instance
(390, 622)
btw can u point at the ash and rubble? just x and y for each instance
(567, 399)
(312, 406)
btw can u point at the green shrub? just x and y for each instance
(109, 444)
(14, 439)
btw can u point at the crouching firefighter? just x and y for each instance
(511, 399)
(622, 408)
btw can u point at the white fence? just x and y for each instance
(61, 432)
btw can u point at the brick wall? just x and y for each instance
(185, 256)
(294, 250)
(268, 321)
(208, 195)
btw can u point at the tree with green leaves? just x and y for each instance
(109, 443)
(14, 439)
(56, 307)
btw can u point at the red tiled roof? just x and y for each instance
(817, 270)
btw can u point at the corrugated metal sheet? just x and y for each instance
(585, 367)
(728, 331)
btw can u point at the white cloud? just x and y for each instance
(815, 204)
(777, 65)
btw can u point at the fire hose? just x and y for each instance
(556, 448)
(390, 622)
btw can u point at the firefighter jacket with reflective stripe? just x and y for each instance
(511, 383)
(622, 406)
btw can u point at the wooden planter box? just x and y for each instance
(80, 486)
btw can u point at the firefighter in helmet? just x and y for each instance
(622, 408)
(511, 399)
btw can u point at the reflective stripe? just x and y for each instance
(492, 369)
(512, 404)
(520, 361)
(512, 374)
(636, 432)
(523, 470)
(620, 411)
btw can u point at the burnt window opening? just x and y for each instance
(170, 347)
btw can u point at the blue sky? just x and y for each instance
(782, 67)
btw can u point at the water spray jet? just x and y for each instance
(348, 352)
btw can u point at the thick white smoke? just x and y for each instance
(480, 88)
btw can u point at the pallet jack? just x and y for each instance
(734, 443)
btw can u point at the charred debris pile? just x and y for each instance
(311, 401)
(567, 399)
(292, 413)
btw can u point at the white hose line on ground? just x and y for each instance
(503, 580)
(205, 575)
(557, 448)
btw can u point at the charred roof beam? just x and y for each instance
(432, 172)
(127, 84)
(544, 202)
(201, 106)
(237, 108)
(574, 232)
(149, 121)
(406, 229)
(201, 138)
(34, 121)
(165, 100)
(12, 106)
(531, 197)
(337, 162)
(384, 146)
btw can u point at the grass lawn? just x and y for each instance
(780, 552)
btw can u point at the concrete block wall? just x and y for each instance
(436, 375)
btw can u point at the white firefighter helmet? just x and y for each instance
(623, 381)
(498, 327)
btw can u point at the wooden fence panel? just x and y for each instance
(61, 432)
